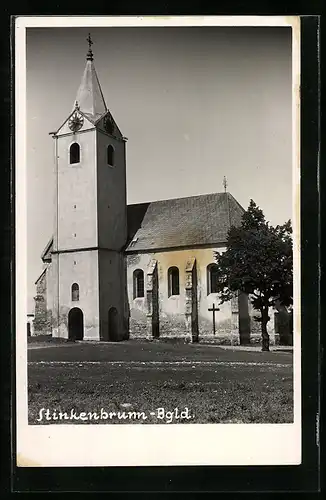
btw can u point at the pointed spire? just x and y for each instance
(89, 96)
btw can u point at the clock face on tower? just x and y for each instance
(76, 122)
(109, 124)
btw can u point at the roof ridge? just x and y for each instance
(179, 198)
(183, 222)
(236, 201)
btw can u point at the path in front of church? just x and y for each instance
(215, 384)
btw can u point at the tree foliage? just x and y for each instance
(259, 262)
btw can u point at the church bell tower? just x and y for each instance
(90, 227)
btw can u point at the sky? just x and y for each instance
(196, 104)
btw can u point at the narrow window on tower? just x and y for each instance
(74, 292)
(173, 281)
(212, 278)
(74, 153)
(110, 155)
(138, 283)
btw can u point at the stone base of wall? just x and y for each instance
(172, 325)
(41, 333)
(223, 327)
(218, 339)
(42, 329)
(42, 321)
(42, 324)
(177, 331)
(255, 339)
(184, 337)
(137, 329)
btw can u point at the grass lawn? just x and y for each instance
(216, 385)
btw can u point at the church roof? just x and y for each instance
(182, 222)
(179, 222)
(46, 254)
(89, 96)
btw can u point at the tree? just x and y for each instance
(259, 262)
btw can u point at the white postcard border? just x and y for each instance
(168, 444)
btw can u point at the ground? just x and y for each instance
(157, 382)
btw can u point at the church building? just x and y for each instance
(114, 271)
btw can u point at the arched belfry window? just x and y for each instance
(74, 153)
(139, 289)
(173, 281)
(212, 278)
(110, 155)
(75, 292)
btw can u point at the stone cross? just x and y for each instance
(213, 310)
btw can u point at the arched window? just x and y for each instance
(138, 283)
(75, 292)
(212, 278)
(110, 155)
(173, 281)
(74, 153)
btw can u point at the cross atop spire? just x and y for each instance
(89, 56)
(225, 184)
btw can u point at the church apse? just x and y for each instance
(184, 315)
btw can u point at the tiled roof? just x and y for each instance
(46, 254)
(182, 222)
(40, 276)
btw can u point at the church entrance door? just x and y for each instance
(113, 324)
(75, 324)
